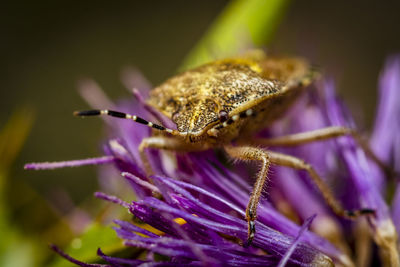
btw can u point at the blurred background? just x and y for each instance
(47, 47)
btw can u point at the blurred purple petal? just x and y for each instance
(355, 158)
(91, 92)
(131, 77)
(385, 139)
(112, 199)
(384, 232)
(387, 120)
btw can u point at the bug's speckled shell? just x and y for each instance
(194, 98)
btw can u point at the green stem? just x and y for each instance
(241, 25)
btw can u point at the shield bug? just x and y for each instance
(223, 104)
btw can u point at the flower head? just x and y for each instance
(195, 203)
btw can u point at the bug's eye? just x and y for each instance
(223, 115)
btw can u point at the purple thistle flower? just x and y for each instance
(197, 204)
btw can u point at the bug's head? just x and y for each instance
(194, 119)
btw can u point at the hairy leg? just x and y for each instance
(296, 163)
(319, 135)
(305, 137)
(165, 143)
(247, 153)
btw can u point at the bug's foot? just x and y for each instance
(251, 233)
(356, 213)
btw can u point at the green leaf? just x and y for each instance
(12, 138)
(15, 248)
(241, 25)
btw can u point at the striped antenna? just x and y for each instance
(121, 115)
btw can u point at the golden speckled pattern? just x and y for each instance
(193, 99)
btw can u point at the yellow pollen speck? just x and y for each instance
(150, 228)
(180, 221)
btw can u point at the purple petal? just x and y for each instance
(396, 209)
(355, 159)
(368, 192)
(292, 247)
(385, 139)
(71, 163)
(266, 238)
(266, 215)
(75, 261)
(388, 110)
(140, 182)
(125, 162)
(133, 228)
(132, 78)
(112, 199)
(118, 262)
(91, 92)
(301, 196)
(179, 248)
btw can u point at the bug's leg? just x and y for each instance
(323, 134)
(247, 153)
(143, 156)
(305, 137)
(296, 163)
(162, 142)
